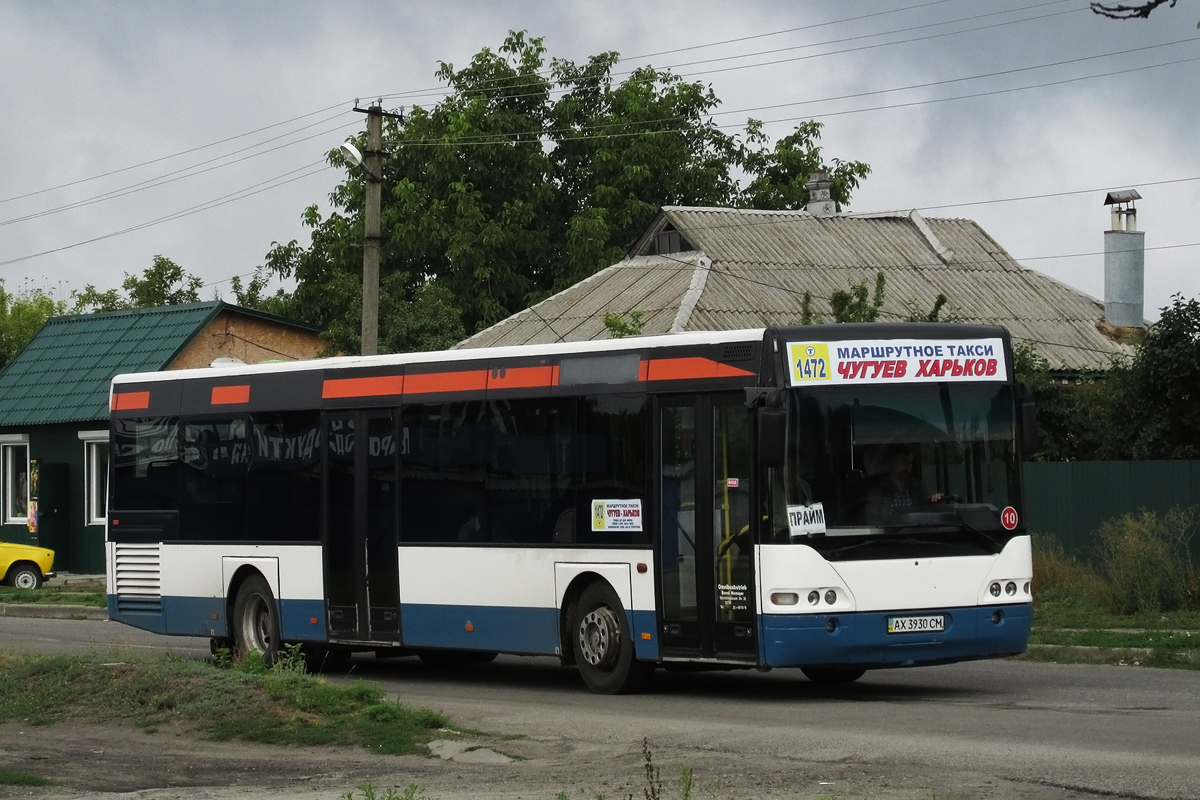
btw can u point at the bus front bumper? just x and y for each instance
(862, 639)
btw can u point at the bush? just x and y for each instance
(1147, 561)
(1065, 580)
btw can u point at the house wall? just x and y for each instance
(78, 547)
(252, 340)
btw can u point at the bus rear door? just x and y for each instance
(362, 588)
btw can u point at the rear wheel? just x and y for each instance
(256, 620)
(603, 645)
(831, 676)
(25, 576)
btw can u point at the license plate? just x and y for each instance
(932, 624)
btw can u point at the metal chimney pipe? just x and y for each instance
(1124, 263)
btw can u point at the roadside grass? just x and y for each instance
(10, 778)
(276, 706)
(89, 593)
(1085, 614)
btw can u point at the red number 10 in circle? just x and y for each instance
(1008, 518)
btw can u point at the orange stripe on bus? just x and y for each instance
(363, 387)
(229, 395)
(469, 380)
(521, 377)
(678, 369)
(130, 401)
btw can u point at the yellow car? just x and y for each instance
(25, 567)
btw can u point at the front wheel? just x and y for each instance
(25, 576)
(831, 676)
(256, 621)
(603, 645)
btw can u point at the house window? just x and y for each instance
(96, 469)
(15, 459)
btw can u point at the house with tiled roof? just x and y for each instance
(54, 406)
(699, 269)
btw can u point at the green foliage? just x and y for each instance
(1064, 580)
(1165, 385)
(1147, 561)
(10, 778)
(1082, 420)
(853, 304)
(367, 791)
(22, 316)
(1144, 408)
(530, 175)
(618, 327)
(279, 705)
(932, 315)
(163, 283)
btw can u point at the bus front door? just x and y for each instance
(362, 586)
(706, 555)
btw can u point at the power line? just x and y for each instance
(241, 194)
(172, 155)
(172, 177)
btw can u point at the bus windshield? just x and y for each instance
(864, 460)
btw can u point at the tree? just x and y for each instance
(1135, 11)
(526, 178)
(1163, 406)
(163, 283)
(22, 316)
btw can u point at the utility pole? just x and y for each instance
(373, 167)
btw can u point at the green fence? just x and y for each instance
(1070, 499)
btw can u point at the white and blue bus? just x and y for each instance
(833, 498)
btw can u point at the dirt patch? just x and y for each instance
(170, 763)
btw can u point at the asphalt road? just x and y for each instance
(989, 729)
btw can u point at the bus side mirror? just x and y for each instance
(1029, 427)
(772, 435)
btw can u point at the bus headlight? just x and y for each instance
(994, 589)
(814, 597)
(785, 598)
(1010, 588)
(831, 597)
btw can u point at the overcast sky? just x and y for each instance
(91, 90)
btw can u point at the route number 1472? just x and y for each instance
(812, 368)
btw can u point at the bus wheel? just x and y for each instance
(830, 676)
(256, 621)
(602, 643)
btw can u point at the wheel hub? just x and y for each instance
(599, 636)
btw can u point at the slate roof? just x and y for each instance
(63, 373)
(750, 269)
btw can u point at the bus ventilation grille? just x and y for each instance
(737, 352)
(138, 578)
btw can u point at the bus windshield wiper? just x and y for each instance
(885, 540)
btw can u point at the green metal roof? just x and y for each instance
(63, 374)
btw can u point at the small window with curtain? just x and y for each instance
(96, 475)
(16, 482)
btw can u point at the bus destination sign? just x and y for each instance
(896, 361)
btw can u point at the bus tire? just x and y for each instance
(602, 643)
(256, 620)
(832, 676)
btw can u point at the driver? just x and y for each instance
(897, 489)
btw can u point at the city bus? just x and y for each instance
(834, 498)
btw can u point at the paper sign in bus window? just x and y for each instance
(617, 515)
(806, 520)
